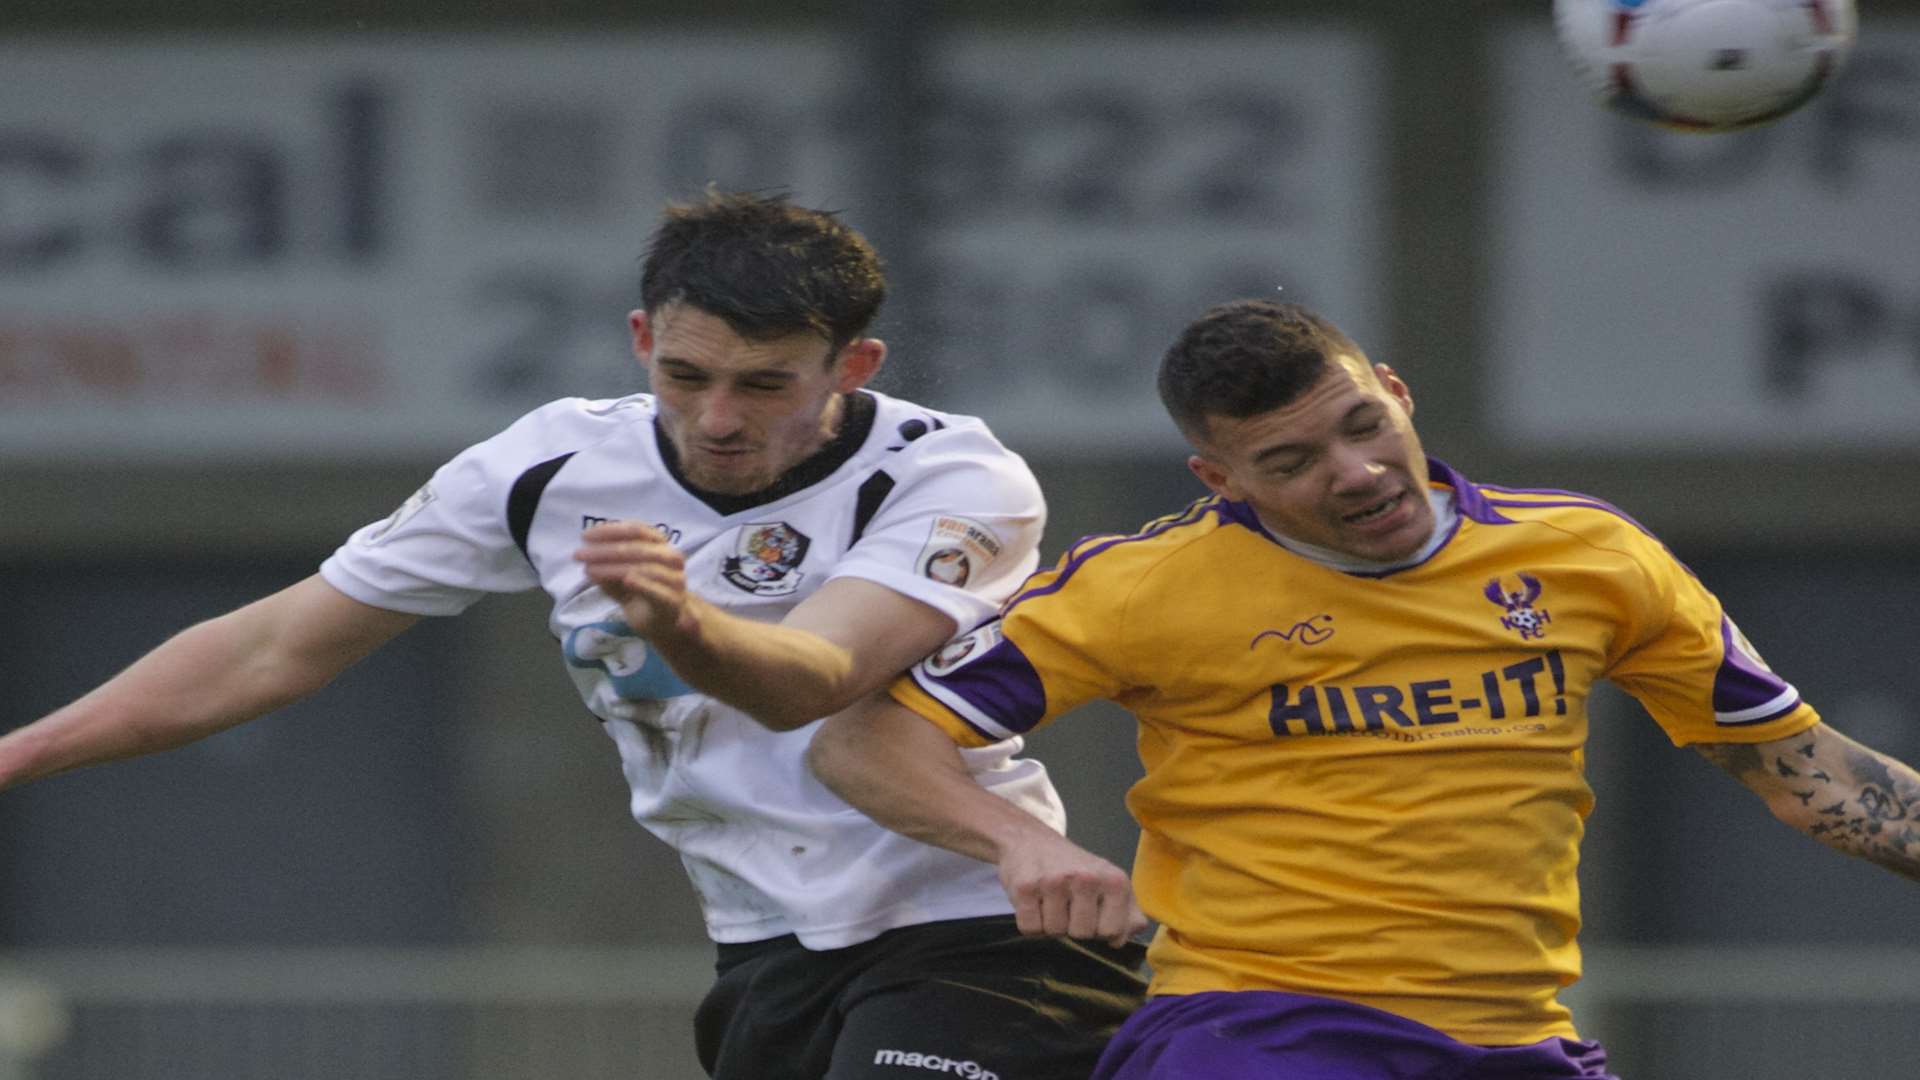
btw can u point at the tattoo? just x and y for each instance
(1888, 794)
(1882, 805)
(1871, 767)
(1851, 798)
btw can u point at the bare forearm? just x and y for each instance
(841, 643)
(198, 683)
(207, 678)
(783, 677)
(1846, 795)
(907, 775)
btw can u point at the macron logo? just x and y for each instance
(971, 1070)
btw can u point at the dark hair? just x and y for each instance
(764, 266)
(1245, 357)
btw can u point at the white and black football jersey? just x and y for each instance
(928, 504)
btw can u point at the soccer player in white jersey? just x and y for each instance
(822, 538)
(1360, 681)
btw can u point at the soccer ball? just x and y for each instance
(1706, 65)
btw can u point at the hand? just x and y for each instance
(645, 575)
(1058, 887)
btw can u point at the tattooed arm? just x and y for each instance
(1847, 796)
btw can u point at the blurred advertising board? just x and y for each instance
(1094, 193)
(1664, 291)
(286, 248)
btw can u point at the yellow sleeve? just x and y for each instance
(1057, 645)
(1694, 671)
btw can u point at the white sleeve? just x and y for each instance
(449, 544)
(961, 529)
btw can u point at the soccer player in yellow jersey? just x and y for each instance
(1361, 684)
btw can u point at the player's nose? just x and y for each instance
(1353, 471)
(720, 416)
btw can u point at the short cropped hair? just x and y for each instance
(1245, 357)
(764, 266)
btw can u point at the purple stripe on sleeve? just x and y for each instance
(1572, 499)
(1193, 513)
(1482, 502)
(1576, 499)
(1743, 688)
(997, 688)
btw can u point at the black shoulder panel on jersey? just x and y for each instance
(867, 503)
(524, 499)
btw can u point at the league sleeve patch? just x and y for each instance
(963, 650)
(415, 503)
(956, 548)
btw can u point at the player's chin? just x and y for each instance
(1402, 533)
(732, 478)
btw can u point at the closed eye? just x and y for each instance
(1288, 466)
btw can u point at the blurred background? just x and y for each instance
(263, 268)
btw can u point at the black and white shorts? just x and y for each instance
(969, 998)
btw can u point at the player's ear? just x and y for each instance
(860, 360)
(1394, 385)
(1214, 476)
(642, 330)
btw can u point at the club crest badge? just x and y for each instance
(766, 559)
(1521, 616)
(415, 503)
(963, 650)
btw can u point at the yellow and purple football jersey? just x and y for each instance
(1366, 786)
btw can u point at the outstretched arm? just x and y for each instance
(846, 640)
(905, 773)
(206, 679)
(1847, 796)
